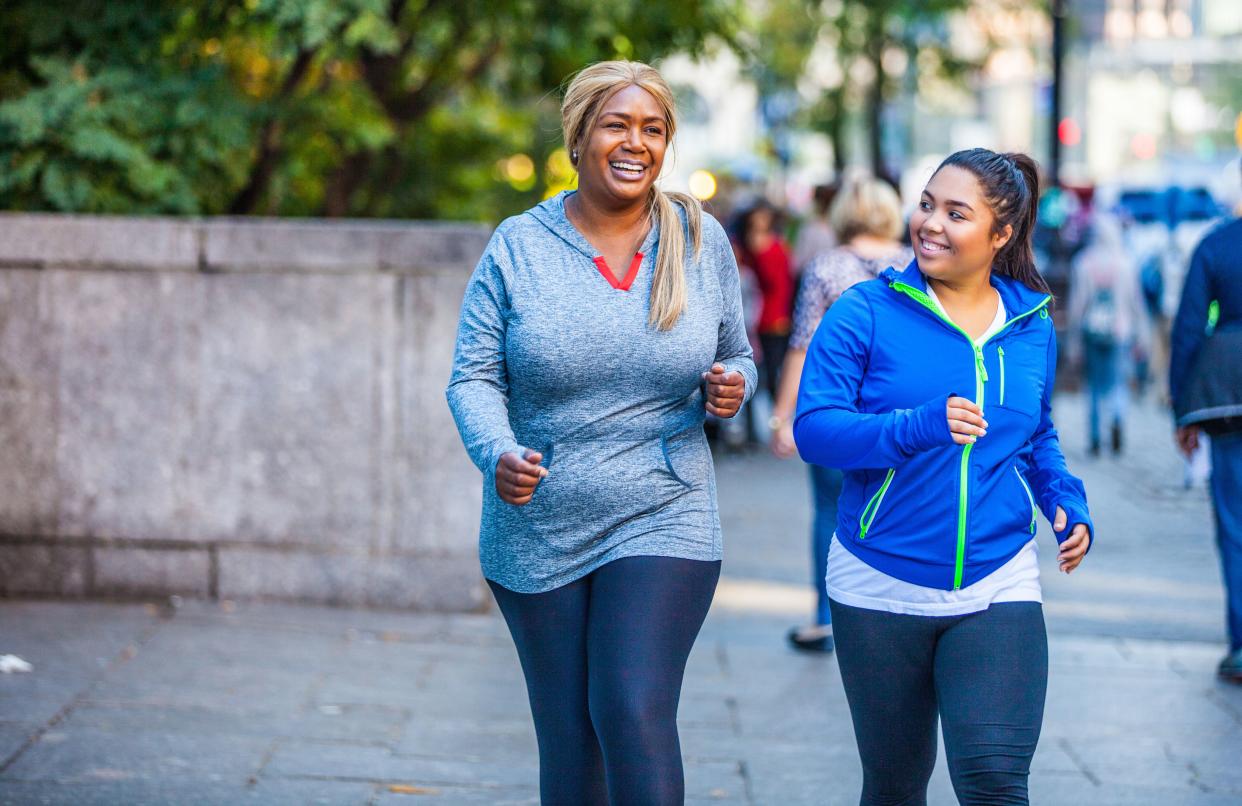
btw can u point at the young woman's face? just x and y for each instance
(952, 228)
(760, 222)
(623, 154)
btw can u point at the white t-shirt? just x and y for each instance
(852, 582)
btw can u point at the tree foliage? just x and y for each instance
(862, 38)
(402, 108)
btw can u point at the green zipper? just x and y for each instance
(1029, 497)
(981, 375)
(1000, 352)
(873, 506)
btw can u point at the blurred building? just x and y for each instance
(1151, 96)
(718, 138)
(1154, 89)
(1151, 93)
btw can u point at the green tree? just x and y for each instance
(404, 108)
(865, 38)
(105, 110)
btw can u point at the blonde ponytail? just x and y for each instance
(668, 286)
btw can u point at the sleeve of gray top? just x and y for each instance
(732, 345)
(478, 390)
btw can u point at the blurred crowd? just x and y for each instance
(1117, 270)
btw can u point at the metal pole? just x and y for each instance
(1058, 58)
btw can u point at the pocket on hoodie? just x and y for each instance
(875, 502)
(687, 457)
(1027, 501)
(911, 510)
(594, 486)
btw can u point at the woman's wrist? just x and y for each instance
(778, 421)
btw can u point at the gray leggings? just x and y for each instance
(983, 674)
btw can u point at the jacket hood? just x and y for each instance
(551, 214)
(1016, 296)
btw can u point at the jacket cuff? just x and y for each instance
(931, 425)
(498, 450)
(739, 366)
(1075, 513)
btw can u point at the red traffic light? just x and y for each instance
(1068, 132)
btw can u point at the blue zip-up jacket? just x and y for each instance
(915, 505)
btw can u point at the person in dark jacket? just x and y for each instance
(931, 388)
(1205, 386)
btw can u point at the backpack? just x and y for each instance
(1099, 323)
(1151, 280)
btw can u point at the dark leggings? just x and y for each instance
(984, 674)
(604, 658)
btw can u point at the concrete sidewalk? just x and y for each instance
(221, 703)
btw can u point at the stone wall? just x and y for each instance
(234, 409)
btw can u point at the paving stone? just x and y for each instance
(307, 793)
(469, 739)
(705, 742)
(184, 793)
(226, 681)
(1058, 790)
(1081, 703)
(456, 795)
(375, 763)
(825, 773)
(95, 755)
(185, 643)
(15, 734)
(344, 723)
(720, 781)
(31, 710)
(427, 700)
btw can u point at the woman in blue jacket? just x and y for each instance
(931, 388)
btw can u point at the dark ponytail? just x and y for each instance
(1010, 185)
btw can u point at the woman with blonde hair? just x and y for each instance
(596, 330)
(866, 219)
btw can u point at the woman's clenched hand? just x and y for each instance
(725, 391)
(517, 477)
(1074, 547)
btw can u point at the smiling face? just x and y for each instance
(621, 156)
(953, 228)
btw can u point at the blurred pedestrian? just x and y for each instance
(866, 219)
(816, 235)
(765, 251)
(1108, 326)
(933, 576)
(1205, 385)
(597, 328)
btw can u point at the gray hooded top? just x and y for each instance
(555, 355)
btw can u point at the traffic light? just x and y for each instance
(1068, 132)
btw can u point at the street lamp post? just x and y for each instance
(1058, 59)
